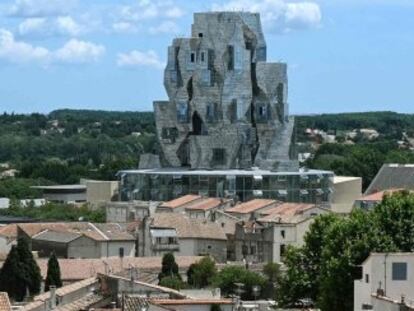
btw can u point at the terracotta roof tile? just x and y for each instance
(377, 196)
(189, 227)
(206, 204)
(288, 209)
(251, 206)
(181, 201)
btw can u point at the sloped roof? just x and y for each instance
(181, 201)
(378, 196)
(206, 204)
(392, 176)
(55, 236)
(289, 213)
(251, 206)
(288, 209)
(97, 232)
(189, 227)
(79, 269)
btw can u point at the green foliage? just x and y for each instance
(19, 188)
(215, 307)
(335, 246)
(271, 270)
(200, 274)
(173, 282)
(12, 279)
(359, 160)
(57, 211)
(53, 276)
(20, 272)
(228, 276)
(169, 267)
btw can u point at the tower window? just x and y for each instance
(202, 56)
(182, 112)
(219, 156)
(230, 51)
(192, 57)
(200, 34)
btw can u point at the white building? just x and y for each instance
(386, 280)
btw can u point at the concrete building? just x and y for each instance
(98, 192)
(386, 283)
(225, 130)
(129, 211)
(345, 191)
(63, 193)
(182, 235)
(72, 240)
(266, 239)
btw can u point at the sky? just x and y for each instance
(342, 55)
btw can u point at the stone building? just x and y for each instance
(227, 105)
(225, 130)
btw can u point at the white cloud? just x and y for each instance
(73, 51)
(125, 27)
(77, 51)
(66, 24)
(164, 27)
(278, 15)
(20, 52)
(143, 14)
(45, 27)
(41, 8)
(137, 58)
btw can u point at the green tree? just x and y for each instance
(271, 270)
(227, 278)
(173, 282)
(201, 273)
(12, 279)
(215, 307)
(168, 267)
(31, 271)
(53, 276)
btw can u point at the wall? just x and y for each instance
(346, 191)
(6, 244)
(84, 247)
(98, 192)
(111, 248)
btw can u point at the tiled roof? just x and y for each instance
(55, 236)
(392, 176)
(206, 204)
(170, 302)
(378, 196)
(181, 201)
(97, 232)
(251, 206)
(79, 269)
(4, 302)
(189, 227)
(289, 213)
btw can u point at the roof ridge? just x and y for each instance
(99, 231)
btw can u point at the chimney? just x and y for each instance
(52, 291)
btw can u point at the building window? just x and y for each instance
(202, 57)
(282, 233)
(158, 240)
(230, 63)
(366, 278)
(211, 112)
(192, 57)
(399, 271)
(170, 133)
(219, 156)
(282, 250)
(182, 112)
(171, 240)
(253, 250)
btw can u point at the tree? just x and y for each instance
(31, 271)
(271, 270)
(168, 267)
(12, 278)
(215, 307)
(173, 282)
(53, 276)
(201, 273)
(227, 278)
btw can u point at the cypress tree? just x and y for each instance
(53, 273)
(168, 267)
(12, 278)
(31, 271)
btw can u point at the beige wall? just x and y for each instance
(346, 191)
(98, 192)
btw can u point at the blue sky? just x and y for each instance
(343, 55)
